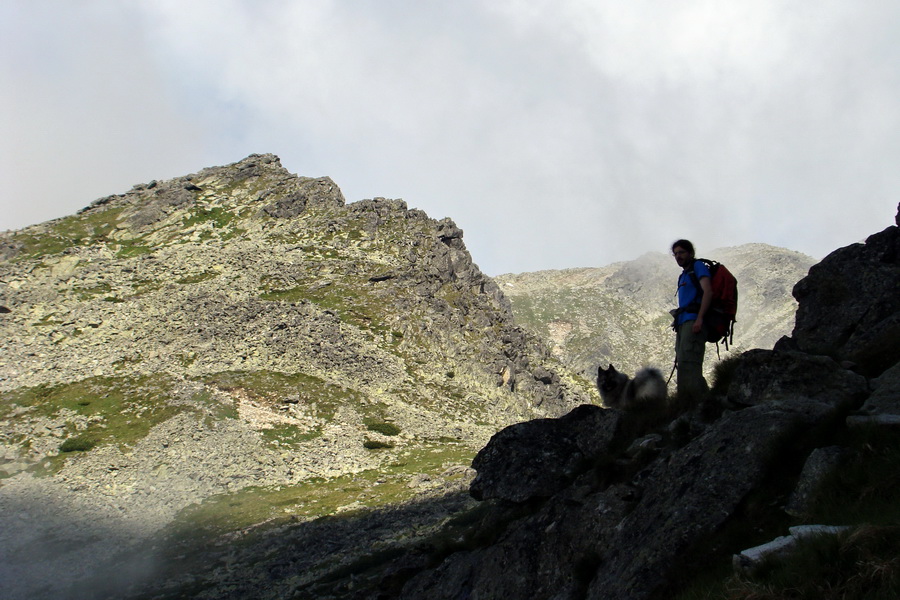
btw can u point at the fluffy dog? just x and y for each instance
(646, 391)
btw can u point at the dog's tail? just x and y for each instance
(649, 385)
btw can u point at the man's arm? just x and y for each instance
(705, 301)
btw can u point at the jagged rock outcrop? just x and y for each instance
(318, 193)
(850, 304)
(536, 459)
(630, 539)
(639, 532)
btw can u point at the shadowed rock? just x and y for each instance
(850, 304)
(536, 459)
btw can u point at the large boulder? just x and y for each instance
(885, 399)
(321, 192)
(536, 459)
(849, 304)
(765, 376)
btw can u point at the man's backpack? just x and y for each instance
(721, 316)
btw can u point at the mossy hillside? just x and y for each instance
(118, 410)
(215, 213)
(90, 413)
(104, 226)
(81, 230)
(209, 218)
(356, 262)
(322, 399)
(309, 395)
(588, 326)
(122, 410)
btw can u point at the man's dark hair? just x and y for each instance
(683, 244)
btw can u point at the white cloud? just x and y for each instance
(565, 133)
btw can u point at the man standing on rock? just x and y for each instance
(690, 334)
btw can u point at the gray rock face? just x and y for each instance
(319, 193)
(694, 492)
(765, 376)
(822, 462)
(628, 540)
(850, 304)
(536, 459)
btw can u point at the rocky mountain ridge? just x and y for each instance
(243, 328)
(260, 255)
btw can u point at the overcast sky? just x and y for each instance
(556, 134)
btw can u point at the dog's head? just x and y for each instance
(609, 380)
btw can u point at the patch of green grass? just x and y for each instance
(87, 293)
(143, 286)
(197, 278)
(217, 215)
(290, 435)
(132, 248)
(294, 294)
(216, 411)
(120, 410)
(34, 246)
(273, 387)
(77, 230)
(186, 360)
